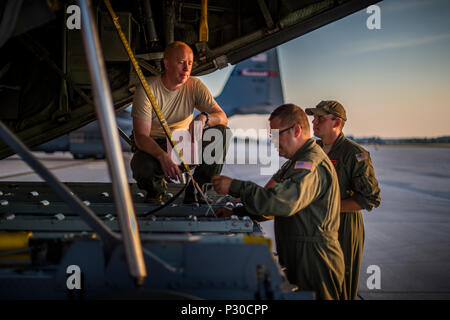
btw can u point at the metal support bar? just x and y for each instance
(149, 21)
(124, 136)
(11, 11)
(110, 240)
(169, 21)
(64, 95)
(266, 14)
(107, 121)
(42, 54)
(147, 66)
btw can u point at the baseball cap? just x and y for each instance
(328, 107)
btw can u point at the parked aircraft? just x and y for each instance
(62, 241)
(254, 86)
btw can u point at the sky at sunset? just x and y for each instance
(393, 82)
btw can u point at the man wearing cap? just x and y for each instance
(358, 185)
(303, 196)
(177, 94)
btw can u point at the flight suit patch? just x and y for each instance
(303, 165)
(362, 156)
(333, 161)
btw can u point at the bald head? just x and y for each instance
(178, 60)
(173, 48)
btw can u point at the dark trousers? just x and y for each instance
(149, 176)
(351, 238)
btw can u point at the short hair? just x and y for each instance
(342, 124)
(173, 47)
(290, 114)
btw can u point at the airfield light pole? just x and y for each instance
(106, 117)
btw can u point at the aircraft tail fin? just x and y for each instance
(254, 86)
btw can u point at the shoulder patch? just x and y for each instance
(362, 156)
(303, 165)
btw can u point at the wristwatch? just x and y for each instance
(207, 117)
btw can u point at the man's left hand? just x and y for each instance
(221, 184)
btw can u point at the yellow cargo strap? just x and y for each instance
(12, 245)
(14, 240)
(257, 240)
(150, 96)
(203, 32)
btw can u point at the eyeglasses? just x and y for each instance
(280, 131)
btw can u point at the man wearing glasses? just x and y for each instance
(357, 182)
(303, 196)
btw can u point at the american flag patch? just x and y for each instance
(362, 156)
(303, 165)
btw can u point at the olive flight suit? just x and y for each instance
(356, 179)
(306, 204)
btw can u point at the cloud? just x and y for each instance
(398, 44)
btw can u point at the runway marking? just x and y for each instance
(409, 187)
(53, 168)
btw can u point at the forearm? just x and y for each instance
(217, 118)
(350, 205)
(281, 200)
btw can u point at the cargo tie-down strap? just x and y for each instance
(152, 100)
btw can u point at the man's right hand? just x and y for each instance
(223, 212)
(169, 167)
